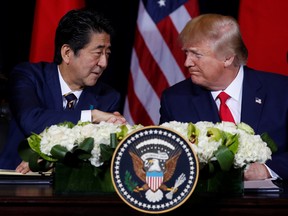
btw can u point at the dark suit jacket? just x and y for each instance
(264, 108)
(36, 103)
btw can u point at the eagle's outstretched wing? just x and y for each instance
(170, 166)
(138, 166)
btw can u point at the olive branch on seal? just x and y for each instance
(131, 185)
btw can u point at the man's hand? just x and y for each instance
(115, 117)
(23, 167)
(256, 171)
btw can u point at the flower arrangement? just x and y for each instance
(86, 149)
(69, 143)
(80, 154)
(232, 145)
(224, 150)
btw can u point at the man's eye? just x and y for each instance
(193, 54)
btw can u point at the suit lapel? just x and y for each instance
(253, 99)
(205, 106)
(53, 82)
(87, 96)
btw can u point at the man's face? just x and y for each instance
(90, 62)
(205, 67)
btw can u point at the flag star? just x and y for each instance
(162, 3)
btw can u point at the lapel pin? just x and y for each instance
(258, 100)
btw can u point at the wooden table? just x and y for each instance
(22, 200)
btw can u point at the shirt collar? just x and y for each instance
(65, 88)
(235, 87)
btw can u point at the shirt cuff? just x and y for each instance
(272, 173)
(86, 116)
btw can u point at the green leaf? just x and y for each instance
(231, 141)
(96, 170)
(34, 142)
(225, 158)
(270, 142)
(128, 181)
(82, 151)
(36, 163)
(113, 140)
(106, 152)
(58, 152)
(80, 154)
(87, 145)
(211, 168)
(67, 124)
(80, 123)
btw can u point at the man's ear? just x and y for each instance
(228, 61)
(65, 53)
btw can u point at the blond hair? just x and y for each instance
(221, 32)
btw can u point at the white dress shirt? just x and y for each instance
(85, 114)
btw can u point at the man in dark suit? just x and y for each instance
(82, 49)
(215, 58)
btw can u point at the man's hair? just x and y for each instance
(221, 32)
(75, 29)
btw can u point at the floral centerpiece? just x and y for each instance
(77, 153)
(83, 151)
(224, 150)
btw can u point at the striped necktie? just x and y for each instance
(71, 99)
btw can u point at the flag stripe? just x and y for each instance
(156, 44)
(134, 96)
(148, 64)
(157, 61)
(143, 90)
(167, 25)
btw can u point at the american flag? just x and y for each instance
(157, 61)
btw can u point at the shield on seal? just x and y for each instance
(154, 180)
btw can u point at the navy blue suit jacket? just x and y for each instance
(264, 108)
(36, 102)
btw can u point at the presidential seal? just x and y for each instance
(154, 169)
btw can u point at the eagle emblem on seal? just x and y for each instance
(155, 167)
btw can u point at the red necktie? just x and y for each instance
(224, 111)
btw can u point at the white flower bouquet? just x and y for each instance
(70, 144)
(81, 153)
(232, 145)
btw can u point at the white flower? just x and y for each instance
(71, 137)
(205, 139)
(54, 135)
(101, 135)
(180, 127)
(205, 148)
(251, 147)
